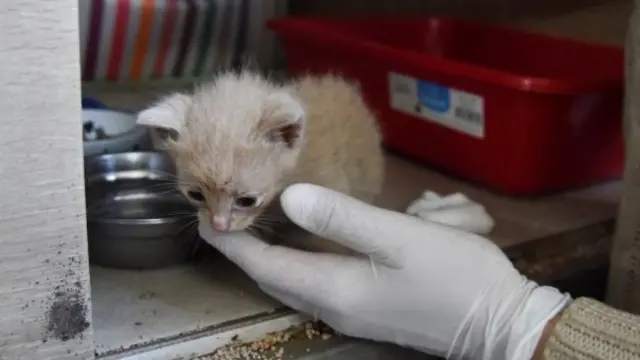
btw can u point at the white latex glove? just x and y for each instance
(428, 286)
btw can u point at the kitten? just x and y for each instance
(241, 139)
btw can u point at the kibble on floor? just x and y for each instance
(271, 346)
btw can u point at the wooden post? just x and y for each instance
(624, 274)
(44, 275)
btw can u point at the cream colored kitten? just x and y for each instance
(241, 139)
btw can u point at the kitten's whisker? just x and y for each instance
(165, 190)
(188, 225)
(272, 221)
(166, 181)
(173, 178)
(273, 213)
(268, 222)
(266, 225)
(272, 218)
(168, 192)
(192, 230)
(182, 215)
(162, 172)
(164, 187)
(185, 212)
(187, 184)
(169, 187)
(266, 229)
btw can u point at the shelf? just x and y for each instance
(144, 308)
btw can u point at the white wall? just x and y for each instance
(44, 279)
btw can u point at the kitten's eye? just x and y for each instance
(246, 201)
(195, 195)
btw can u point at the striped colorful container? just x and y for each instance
(136, 40)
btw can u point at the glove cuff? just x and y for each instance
(543, 304)
(507, 320)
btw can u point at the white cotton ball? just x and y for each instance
(468, 217)
(455, 210)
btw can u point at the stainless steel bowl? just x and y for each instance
(136, 218)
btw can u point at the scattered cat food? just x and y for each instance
(271, 346)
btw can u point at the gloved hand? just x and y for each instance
(424, 285)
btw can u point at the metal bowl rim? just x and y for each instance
(160, 154)
(168, 220)
(158, 220)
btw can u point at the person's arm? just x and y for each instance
(588, 329)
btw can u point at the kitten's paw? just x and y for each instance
(455, 210)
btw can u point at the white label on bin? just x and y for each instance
(454, 109)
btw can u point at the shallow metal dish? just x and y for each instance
(136, 218)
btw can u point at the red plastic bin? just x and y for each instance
(521, 113)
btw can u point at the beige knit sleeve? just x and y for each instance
(590, 330)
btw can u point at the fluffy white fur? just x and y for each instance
(244, 136)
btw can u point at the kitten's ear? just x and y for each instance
(169, 114)
(283, 120)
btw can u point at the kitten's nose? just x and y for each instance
(220, 223)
